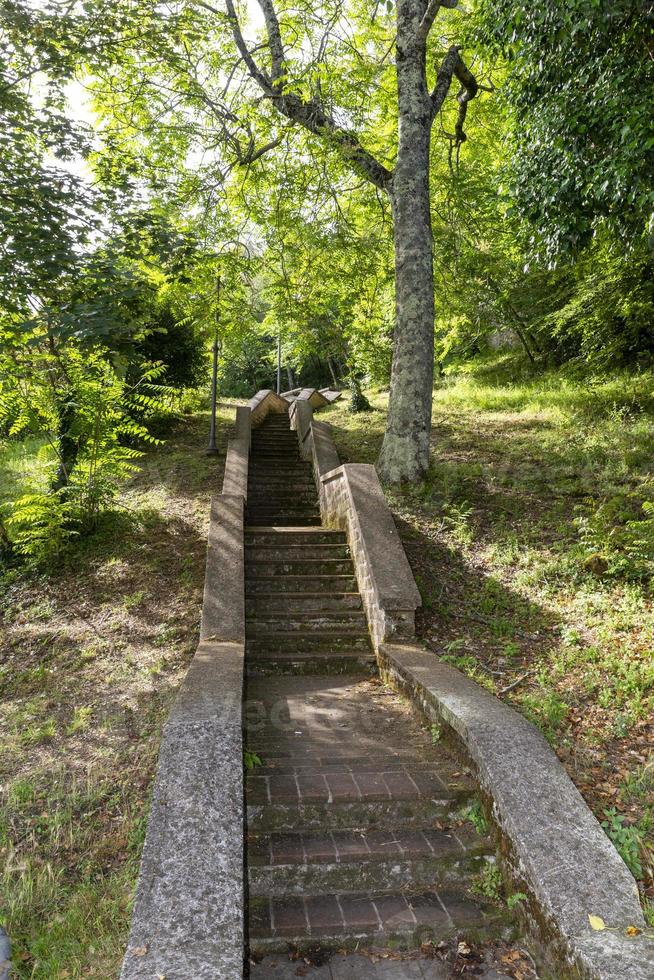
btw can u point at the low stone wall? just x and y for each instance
(351, 498)
(188, 918)
(235, 480)
(554, 849)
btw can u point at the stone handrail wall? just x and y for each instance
(188, 918)
(235, 480)
(351, 498)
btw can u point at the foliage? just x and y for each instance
(88, 413)
(625, 839)
(581, 116)
(177, 344)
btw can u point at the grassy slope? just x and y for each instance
(529, 581)
(92, 655)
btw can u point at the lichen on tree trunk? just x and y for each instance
(405, 449)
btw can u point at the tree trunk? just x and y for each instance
(330, 364)
(68, 444)
(405, 449)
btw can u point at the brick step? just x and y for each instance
(294, 584)
(283, 550)
(272, 500)
(277, 513)
(301, 602)
(287, 495)
(302, 486)
(353, 642)
(282, 434)
(284, 467)
(347, 762)
(371, 919)
(259, 481)
(373, 814)
(308, 518)
(273, 535)
(352, 846)
(279, 474)
(298, 567)
(287, 448)
(320, 622)
(305, 664)
(294, 521)
(365, 785)
(384, 862)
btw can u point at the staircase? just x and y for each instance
(354, 829)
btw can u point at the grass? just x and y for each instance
(95, 648)
(532, 543)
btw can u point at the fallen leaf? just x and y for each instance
(596, 922)
(463, 949)
(633, 931)
(139, 951)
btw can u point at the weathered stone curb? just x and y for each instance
(5, 955)
(554, 847)
(188, 918)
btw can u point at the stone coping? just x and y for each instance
(554, 847)
(384, 553)
(351, 498)
(188, 918)
(264, 402)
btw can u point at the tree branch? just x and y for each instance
(274, 39)
(308, 113)
(453, 66)
(259, 76)
(430, 14)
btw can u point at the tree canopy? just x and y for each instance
(389, 188)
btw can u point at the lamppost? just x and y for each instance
(279, 361)
(212, 449)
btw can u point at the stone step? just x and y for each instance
(352, 641)
(297, 584)
(265, 602)
(381, 814)
(299, 567)
(283, 551)
(270, 536)
(370, 919)
(325, 622)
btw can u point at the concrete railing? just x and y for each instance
(351, 498)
